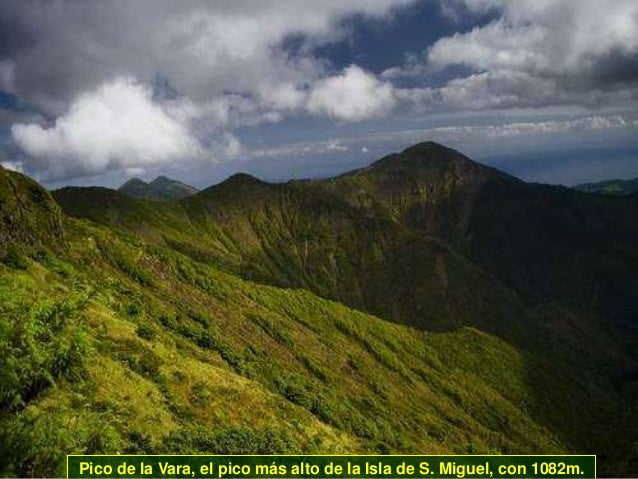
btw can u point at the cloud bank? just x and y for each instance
(116, 125)
(134, 85)
(540, 53)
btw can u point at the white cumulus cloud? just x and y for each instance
(206, 49)
(201, 70)
(352, 95)
(534, 54)
(116, 125)
(549, 37)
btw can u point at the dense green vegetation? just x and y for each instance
(209, 325)
(468, 225)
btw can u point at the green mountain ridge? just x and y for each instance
(463, 244)
(610, 187)
(213, 325)
(469, 226)
(160, 189)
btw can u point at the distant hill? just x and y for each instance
(160, 189)
(610, 187)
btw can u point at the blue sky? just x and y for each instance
(97, 92)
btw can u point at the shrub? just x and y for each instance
(296, 389)
(35, 443)
(228, 440)
(135, 308)
(139, 443)
(38, 343)
(200, 394)
(15, 258)
(138, 357)
(145, 332)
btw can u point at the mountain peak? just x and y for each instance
(427, 151)
(428, 146)
(161, 188)
(162, 180)
(133, 182)
(242, 178)
(233, 184)
(430, 160)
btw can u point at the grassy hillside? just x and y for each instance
(426, 238)
(160, 353)
(208, 325)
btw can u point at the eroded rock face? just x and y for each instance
(28, 214)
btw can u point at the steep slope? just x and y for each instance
(610, 187)
(427, 238)
(165, 351)
(159, 353)
(340, 238)
(310, 234)
(160, 189)
(555, 244)
(29, 217)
